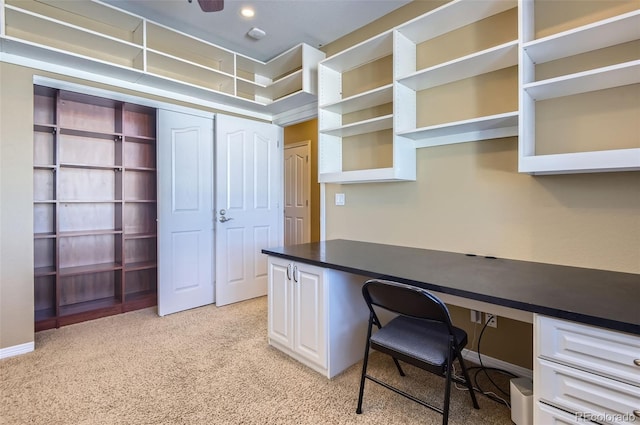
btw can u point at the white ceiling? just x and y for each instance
(286, 22)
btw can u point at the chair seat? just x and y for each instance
(418, 340)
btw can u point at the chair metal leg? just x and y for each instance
(468, 381)
(364, 367)
(398, 367)
(447, 390)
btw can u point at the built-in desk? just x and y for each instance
(595, 297)
(586, 322)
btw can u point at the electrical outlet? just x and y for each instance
(476, 316)
(491, 320)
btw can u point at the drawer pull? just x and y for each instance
(637, 413)
(637, 362)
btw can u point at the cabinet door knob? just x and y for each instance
(295, 270)
(637, 413)
(289, 271)
(636, 362)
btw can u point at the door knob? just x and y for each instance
(222, 218)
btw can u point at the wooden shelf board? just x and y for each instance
(90, 233)
(45, 314)
(93, 201)
(44, 167)
(44, 271)
(140, 169)
(46, 235)
(92, 307)
(133, 138)
(141, 201)
(90, 166)
(44, 201)
(375, 97)
(93, 268)
(90, 133)
(138, 300)
(128, 236)
(142, 265)
(605, 33)
(44, 128)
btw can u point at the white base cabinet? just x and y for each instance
(584, 373)
(316, 315)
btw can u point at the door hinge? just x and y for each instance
(307, 202)
(307, 158)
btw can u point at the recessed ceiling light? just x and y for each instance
(247, 12)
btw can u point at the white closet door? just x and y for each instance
(248, 205)
(185, 212)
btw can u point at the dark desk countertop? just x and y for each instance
(595, 297)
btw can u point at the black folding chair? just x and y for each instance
(422, 335)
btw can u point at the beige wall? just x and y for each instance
(470, 198)
(16, 206)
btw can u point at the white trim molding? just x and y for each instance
(17, 350)
(472, 356)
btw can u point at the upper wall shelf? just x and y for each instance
(565, 77)
(392, 114)
(94, 37)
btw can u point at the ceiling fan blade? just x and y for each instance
(211, 5)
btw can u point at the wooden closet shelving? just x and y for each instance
(94, 207)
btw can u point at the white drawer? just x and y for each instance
(593, 349)
(584, 393)
(547, 415)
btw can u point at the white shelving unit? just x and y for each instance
(410, 79)
(603, 32)
(335, 130)
(91, 36)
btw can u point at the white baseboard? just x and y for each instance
(520, 371)
(16, 350)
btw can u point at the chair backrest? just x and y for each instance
(405, 300)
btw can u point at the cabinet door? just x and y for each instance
(309, 315)
(280, 302)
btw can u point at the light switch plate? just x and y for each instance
(339, 198)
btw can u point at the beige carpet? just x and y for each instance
(204, 366)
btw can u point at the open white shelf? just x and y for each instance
(361, 127)
(287, 85)
(89, 37)
(169, 66)
(492, 127)
(581, 162)
(583, 82)
(373, 175)
(28, 26)
(605, 31)
(362, 53)
(479, 63)
(452, 16)
(161, 39)
(375, 97)
(598, 35)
